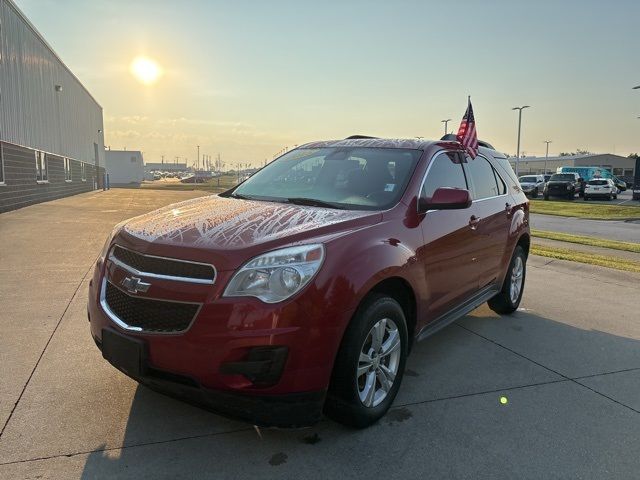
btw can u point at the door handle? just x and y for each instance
(473, 222)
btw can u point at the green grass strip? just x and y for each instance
(584, 240)
(585, 210)
(584, 257)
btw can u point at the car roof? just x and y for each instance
(412, 143)
(409, 143)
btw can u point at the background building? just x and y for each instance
(124, 167)
(622, 167)
(51, 130)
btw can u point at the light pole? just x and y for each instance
(198, 159)
(519, 128)
(546, 155)
(445, 124)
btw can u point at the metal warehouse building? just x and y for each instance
(51, 131)
(124, 167)
(619, 166)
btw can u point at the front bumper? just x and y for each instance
(214, 362)
(280, 411)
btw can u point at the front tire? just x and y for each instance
(370, 363)
(508, 300)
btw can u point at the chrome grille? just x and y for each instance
(162, 267)
(145, 314)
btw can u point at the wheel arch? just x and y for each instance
(400, 290)
(525, 242)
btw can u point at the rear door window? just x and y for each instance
(445, 171)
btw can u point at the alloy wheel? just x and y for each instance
(378, 363)
(516, 279)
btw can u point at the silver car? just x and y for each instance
(532, 184)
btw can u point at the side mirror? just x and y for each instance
(446, 198)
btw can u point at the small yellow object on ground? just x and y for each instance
(503, 400)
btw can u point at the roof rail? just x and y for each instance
(450, 137)
(355, 137)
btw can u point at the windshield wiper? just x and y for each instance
(240, 196)
(312, 202)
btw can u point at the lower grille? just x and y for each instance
(155, 316)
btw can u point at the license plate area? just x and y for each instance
(125, 353)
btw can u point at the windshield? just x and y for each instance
(338, 177)
(562, 177)
(528, 180)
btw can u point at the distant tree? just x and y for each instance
(578, 151)
(633, 155)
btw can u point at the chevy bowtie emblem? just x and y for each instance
(135, 285)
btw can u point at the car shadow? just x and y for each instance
(480, 353)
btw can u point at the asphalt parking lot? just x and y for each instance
(568, 363)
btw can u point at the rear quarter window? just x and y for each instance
(484, 180)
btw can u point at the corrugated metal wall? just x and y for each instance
(32, 113)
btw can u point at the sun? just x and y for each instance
(145, 70)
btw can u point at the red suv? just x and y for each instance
(302, 289)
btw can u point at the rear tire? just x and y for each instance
(546, 197)
(535, 193)
(365, 379)
(508, 300)
(586, 198)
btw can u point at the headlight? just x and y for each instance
(276, 276)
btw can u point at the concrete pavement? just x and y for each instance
(568, 363)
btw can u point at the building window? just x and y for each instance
(42, 173)
(628, 172)
(617, 172)
(83, 171)
(67, 170)
(1, 165)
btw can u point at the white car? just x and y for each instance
(600, 187)
(532, 184)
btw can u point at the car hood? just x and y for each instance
(226, 226)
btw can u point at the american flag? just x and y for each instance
(467, 135)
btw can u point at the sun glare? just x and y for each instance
(145, 70)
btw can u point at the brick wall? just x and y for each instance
(20, 187)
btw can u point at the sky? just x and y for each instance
(246, 79)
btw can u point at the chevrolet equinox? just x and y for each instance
(302, 290)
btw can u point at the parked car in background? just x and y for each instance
(620, 184)
(563, 185)
(547, 176)
(600, 188)
(532, 184)
(283, 297)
